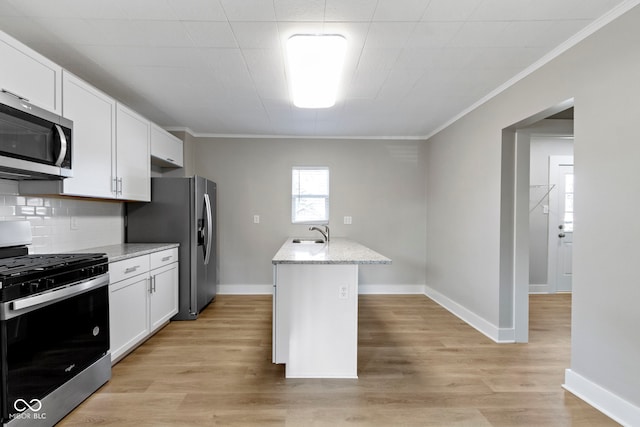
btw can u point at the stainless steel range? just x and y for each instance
(54, 329)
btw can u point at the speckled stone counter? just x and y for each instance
(337, 251)
(129, 250)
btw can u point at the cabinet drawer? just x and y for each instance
(126, 268)
(159, 259)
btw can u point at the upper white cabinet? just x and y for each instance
(110, 148)
(132, 169)
(166, 149)
(94, 123)
(29, 75)
(111, 145)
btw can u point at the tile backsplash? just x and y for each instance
(63, 224)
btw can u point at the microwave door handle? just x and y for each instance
(63, 146)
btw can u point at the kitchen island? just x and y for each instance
(315, 306)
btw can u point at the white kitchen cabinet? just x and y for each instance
(143, 296)
(132, 169)
(110, 148)
(163, 296)
(94, 122)
(128, 304)
(31, 76)
(128, 315)
(166, 149)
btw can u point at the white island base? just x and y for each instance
(316, 324)
(315, 307)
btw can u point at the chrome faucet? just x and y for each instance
(324, 233)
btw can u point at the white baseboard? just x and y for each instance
(542, 288)
(499, 335)
(391, 289)
(239, 289)
(603, 400)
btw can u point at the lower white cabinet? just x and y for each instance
(143, 296)
(128, 315)
(163, 295)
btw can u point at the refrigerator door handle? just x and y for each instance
(207, 250)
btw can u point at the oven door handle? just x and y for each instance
(19, 307)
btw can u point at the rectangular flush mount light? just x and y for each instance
(315, 64)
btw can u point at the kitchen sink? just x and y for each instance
(307, 241)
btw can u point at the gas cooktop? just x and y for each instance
(26, 275)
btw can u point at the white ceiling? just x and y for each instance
(217, 66)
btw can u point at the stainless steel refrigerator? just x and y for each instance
(182, 210)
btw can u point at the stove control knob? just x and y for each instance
(34, 287)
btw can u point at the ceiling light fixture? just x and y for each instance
(315, 64)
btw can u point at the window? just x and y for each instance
(310, 195)
(567, 223)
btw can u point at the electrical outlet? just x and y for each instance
(343, 292)
(256, 219)
(348, 220)
(74, 223)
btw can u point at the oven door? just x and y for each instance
(49, 338)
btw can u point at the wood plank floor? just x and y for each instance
(418, 366)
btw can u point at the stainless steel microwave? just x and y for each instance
(34, 143)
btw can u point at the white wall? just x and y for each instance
(380, 183)
(95, 223)
(463, 227)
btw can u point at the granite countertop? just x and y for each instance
(129, 250)
(338, 251)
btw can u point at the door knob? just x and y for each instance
(562, 235)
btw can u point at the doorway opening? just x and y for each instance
(526, 205)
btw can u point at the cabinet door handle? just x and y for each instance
(166, 258)
(131, 269)
(169, 159)
(119, 186)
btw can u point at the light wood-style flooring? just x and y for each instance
(418, 366)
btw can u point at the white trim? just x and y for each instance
(259, 136)
(499, 335)
(610, 404)
(267, 289)
(540, 288)
(391, 289)
(240, 289)
(614, 13)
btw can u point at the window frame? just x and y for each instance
(296, 197)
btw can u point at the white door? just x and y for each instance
(560, 223)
